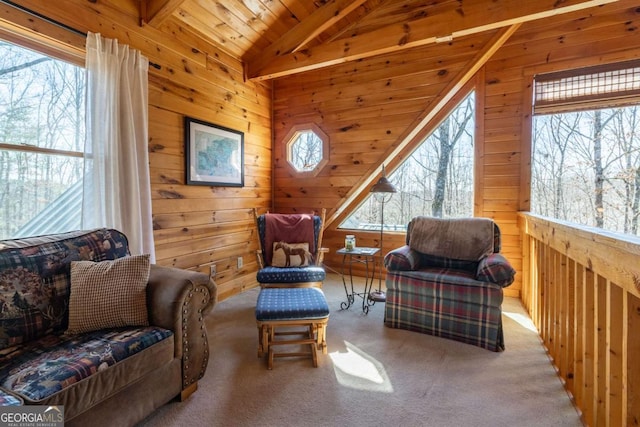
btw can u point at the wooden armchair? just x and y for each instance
(291, 252)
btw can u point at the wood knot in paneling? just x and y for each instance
(350, 127)
(170, 194)
(407, 33)
(168, 180)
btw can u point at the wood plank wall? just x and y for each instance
(366, 106)
(195, 226)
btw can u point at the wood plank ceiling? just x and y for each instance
(277, 38)
(283, 38)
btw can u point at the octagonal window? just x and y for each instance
(307, 148)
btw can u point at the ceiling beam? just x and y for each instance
(467, 18)
(153, 12)
(300, 35)
(424, 124)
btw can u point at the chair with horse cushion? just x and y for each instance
(290, 253)
(448, 281)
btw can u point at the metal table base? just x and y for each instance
(362, 256)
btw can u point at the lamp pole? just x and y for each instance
(384, 188)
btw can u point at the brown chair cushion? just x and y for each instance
(468, 239)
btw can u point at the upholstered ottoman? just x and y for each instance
(301, 312)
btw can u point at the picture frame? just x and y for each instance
(214, 154)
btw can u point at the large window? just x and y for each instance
(586, 147)
(41, 143)
(436, 180)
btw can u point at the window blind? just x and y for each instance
(601, 86)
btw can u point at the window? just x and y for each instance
(307, 148)
(436, 180)
(41, 143)
(586, 147)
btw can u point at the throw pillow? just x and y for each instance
(108, 294)
(495, 268)
(290, 254)
(402, 259)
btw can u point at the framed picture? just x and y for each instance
(214, 154)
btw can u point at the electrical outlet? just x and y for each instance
(212, 271)
(240, 262)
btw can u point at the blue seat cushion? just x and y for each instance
(291, 274)
(291, 304)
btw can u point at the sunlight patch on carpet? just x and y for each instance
(521, 319)
(356, 369)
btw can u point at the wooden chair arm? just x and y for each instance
(260, 257)
(320, 255)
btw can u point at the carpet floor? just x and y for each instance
(372, 376)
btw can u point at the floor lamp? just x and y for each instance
(382, 191)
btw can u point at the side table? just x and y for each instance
(362, 256)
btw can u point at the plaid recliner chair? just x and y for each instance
(448, 279)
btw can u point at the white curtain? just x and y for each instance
(117, 190)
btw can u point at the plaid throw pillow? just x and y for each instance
(108, 294)
(495, 268)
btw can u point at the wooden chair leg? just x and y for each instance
(314, 354)
(322, 338)
(265, 337)
(270, 358)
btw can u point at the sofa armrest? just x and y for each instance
(496, 269)
(403, 258)
(179, 300)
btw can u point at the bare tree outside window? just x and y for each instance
(585, 146)
(436, 180)
(586, 168)
(306, 151)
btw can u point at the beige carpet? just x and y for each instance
(372, 376)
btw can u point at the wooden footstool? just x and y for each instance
(305, 313)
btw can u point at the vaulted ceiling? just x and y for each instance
(275, 38)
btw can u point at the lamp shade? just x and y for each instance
(383, 185)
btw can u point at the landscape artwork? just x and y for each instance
(214, 154)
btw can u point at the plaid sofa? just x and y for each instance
(449, 298)
(106, 377)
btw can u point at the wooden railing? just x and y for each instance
(581, 287)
